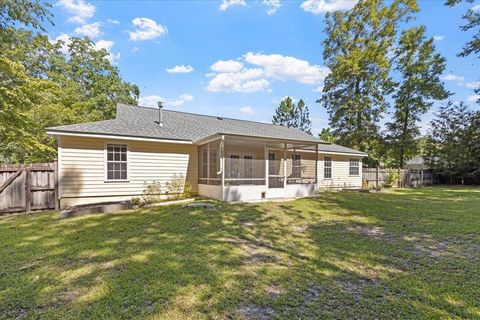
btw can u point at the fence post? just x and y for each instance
(376, 177)
(421, 176)
(28, 189)
(55, 183)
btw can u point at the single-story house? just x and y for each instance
(222, 158)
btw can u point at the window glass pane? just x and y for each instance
(116, 161)
(327, 171)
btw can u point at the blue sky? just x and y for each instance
(239, 58)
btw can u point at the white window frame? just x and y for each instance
(331, 167)
(105, 162)
(350, 167)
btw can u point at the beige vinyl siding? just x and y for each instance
(340, 172)
(82, 167)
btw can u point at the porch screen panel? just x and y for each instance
(214, 165)
(203, 165)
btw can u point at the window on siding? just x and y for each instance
(116, 162)
(354, 167)
(327, 168)
(296, 165)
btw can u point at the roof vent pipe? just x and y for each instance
(160, 113)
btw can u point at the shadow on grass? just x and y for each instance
(340, 255)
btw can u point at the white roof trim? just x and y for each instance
(115, 137)
(336, 153)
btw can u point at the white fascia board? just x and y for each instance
(116, 137)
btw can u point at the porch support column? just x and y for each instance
(284, 165)
(222, 160)
(208, 163)
(266, 163)
(316, 165)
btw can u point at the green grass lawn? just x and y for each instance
(401, 254)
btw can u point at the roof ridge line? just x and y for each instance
(206, 115)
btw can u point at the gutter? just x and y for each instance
(114, 136)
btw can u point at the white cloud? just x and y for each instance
(179, 101)
(247, 110)
(79, 9)
(234, 76)
(112, 21)
(438, 38)
(104, 44)
(245, 80)
(107, 45)
(473, 98)
(146, 29)
(228, 3)
(180, 69)
(322, 6)
(476, 7)
(152, 100)
(272, 6)
(226, 66)
(451, 77)
(318, 89)
(473, 85)
(288, 68)
(91, 30)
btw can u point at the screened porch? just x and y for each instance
(260, 164)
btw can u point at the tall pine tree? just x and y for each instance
(356, 50)
(293, 116)
(419, 67)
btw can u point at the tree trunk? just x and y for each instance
(404, 138)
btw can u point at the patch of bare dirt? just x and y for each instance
(255, 312)
(368, 231)
(274, 291)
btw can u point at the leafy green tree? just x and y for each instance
(93, 84)
(419, 67)
(31, 13)
(448, 141)
(293, 116)
(472, 23)
(356, 50)
(472, 19)
(41, 86)
(327, 135)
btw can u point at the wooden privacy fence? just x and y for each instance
(28, 187)
(407, 177)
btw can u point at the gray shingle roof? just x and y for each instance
(134, 121)
(338, 149)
